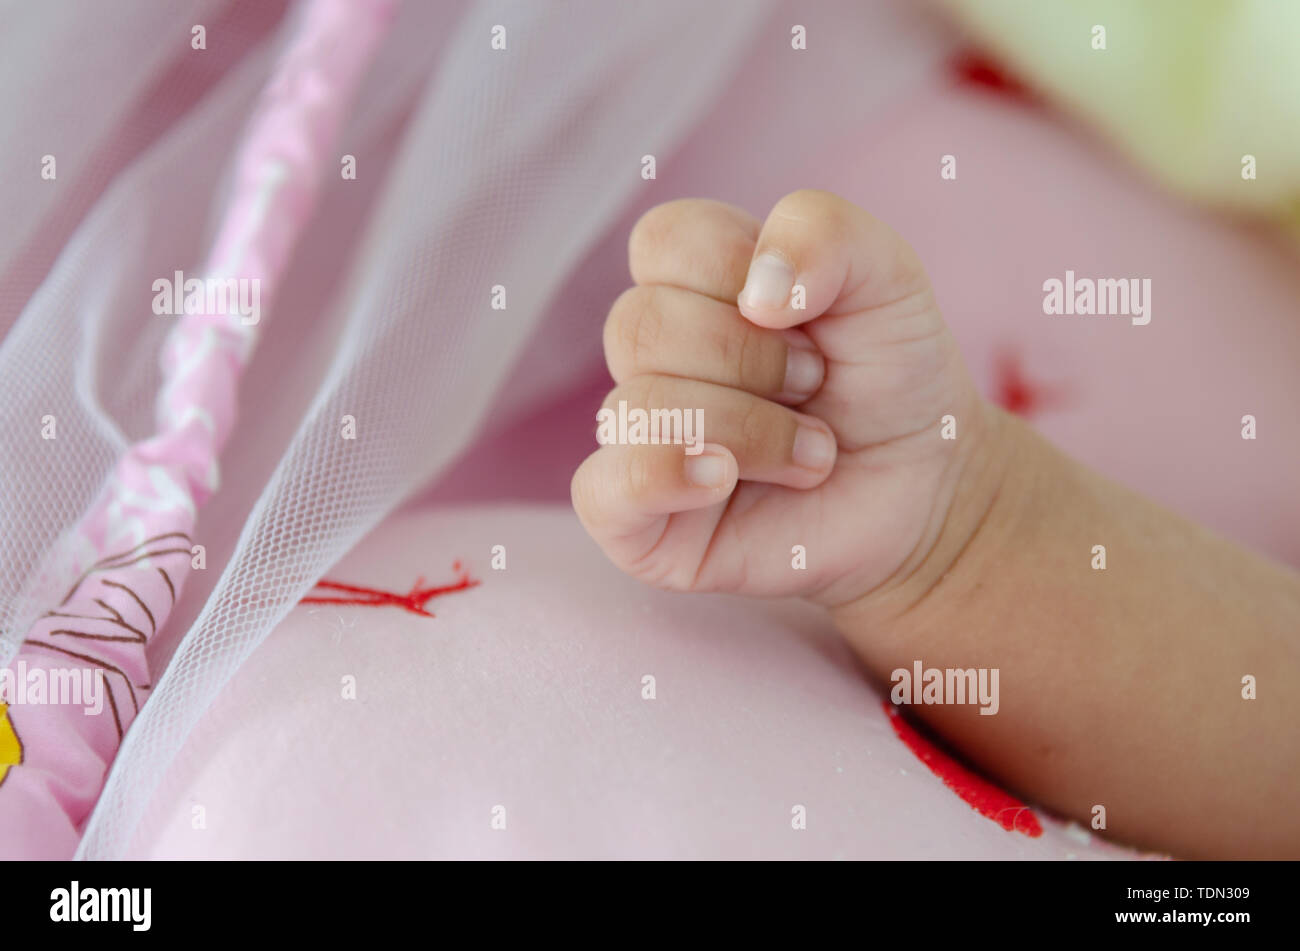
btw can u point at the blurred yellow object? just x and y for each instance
(11, 750)
(1197, 92)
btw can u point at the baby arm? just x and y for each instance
(824, 371)
(1121, 687)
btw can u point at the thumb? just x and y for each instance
(820, 255)
(892, 368)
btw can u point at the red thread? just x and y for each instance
(413, 600)
(980, 794)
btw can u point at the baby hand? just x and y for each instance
(828, 473)
(813, 345)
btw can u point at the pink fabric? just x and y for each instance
(1156, 407)
(527, 694)
(141, 527)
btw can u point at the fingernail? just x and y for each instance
(707, 470)
(767, 287)
(803, 372)
(813, 448)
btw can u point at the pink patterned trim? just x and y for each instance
(141, 526)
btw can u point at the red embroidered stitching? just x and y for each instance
(980, 794)
(413, 600)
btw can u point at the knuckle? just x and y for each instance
(806, 200)
(619, 392)
(632, 332)
(754, 426)
(828, 211)
(652, 391)
(650, 236)
(580, 489)
(734, 249)
(637, 391)
(734, 354)
(638, 476)
(911, 268)
(757, 363)
(652, 568)
(644, 329)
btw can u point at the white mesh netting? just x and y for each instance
(474, 169)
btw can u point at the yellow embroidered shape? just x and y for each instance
(11, 749)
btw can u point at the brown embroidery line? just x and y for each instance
(137, 635)
(93, 660)
(153, 625)
(119, 560)
(112, 702)
(116, 561)
(167, 578)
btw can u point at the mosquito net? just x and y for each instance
(475, 166)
